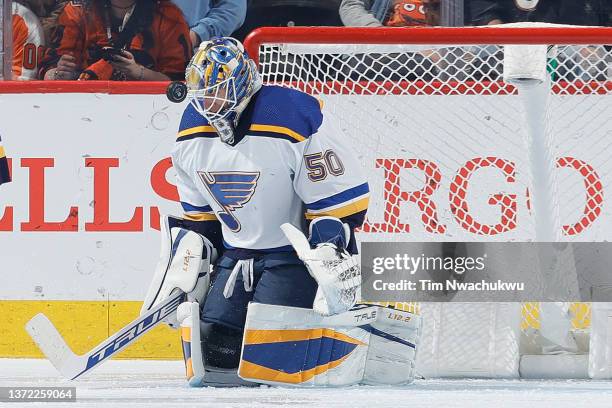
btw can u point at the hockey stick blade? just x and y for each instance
(71, 365)
(51, 343)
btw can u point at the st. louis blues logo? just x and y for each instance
(231, 190)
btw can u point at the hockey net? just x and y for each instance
(445, 141)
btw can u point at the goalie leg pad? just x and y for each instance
(298, 347)
(188, 314)
(184, 265)
(211, 352)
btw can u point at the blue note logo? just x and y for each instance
(231, 190)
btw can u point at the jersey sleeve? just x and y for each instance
(329, 179)
(198, 215)
(195, 207)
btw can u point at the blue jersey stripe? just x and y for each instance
(191, 118)
(209, 135)
(188, 207)
(273, 135)
(339, 198)
(286, 248)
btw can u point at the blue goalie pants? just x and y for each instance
(278, 278)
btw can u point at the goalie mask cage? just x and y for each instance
(453, 153)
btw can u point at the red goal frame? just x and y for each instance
(426, 35)
(502, 35)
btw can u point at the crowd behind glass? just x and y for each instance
(153, 40)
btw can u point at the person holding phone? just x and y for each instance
(135, 40)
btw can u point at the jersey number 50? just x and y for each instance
(321, 164)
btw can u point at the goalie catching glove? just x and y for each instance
(185, 261)
(336, 271)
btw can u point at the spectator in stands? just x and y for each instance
(487, 12)
(208, 18)
(28, 41)
(570, 62)
(142, 40)
(289, 13)
(391, 13)
(602, 9)
(47, 12)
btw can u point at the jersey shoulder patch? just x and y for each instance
(193, 125)
(285, 113)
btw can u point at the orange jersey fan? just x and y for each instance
(28, 43)
(82, 32)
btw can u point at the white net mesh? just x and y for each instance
(446, 143)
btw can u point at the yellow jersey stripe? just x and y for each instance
(200, 217)
(344, 211)
(278, 129)
(197, 129)
(2, 152)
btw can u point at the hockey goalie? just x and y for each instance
(256, 167)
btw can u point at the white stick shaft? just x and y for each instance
(73, 366)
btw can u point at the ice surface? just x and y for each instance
(161, 384)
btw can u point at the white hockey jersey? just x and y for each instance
(290, 165)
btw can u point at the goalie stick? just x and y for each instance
(71, 365)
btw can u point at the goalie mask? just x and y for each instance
(221, 79)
